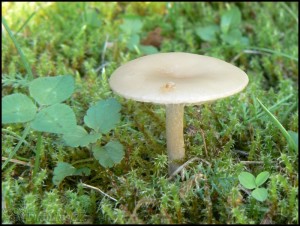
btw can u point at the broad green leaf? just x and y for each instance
(247, 180)
(244, 41)
(260, 194)
(64, 169)
(103, 116)
(287, 135)
(230, 19)
(131, 25)
(92, 18)
(208, 33)
(148, 49)
(57, 118)
(79, 137)
(133, 41)
(261, 178)
(51, 90)
(110, 154)
(294, 137)
(61, 171)
(17, 108)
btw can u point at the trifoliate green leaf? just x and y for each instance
(79, 137)
(110, 154)
(17, 108)
(57, 118)
(103, 116)
(51, 90)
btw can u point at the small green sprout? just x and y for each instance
(250, 182)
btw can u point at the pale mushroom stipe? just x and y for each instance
(177, 79)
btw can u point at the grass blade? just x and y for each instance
(23, 58)
(290, 11)
(274, 107)
(25, 133)
(275, 52)
(290, 140)
(26, 22)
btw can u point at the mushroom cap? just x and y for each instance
(177, 78)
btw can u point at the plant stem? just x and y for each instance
(174, 133)
(83, 160)
(37, 154)
(25, 133)
(23, 58)
(97, 189)
(18, 162)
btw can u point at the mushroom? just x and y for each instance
(177, 79)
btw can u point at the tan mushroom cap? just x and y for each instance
(177, 78)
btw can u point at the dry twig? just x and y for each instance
(97, 189)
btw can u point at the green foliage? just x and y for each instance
(110, 154)
(208, 33)
(52, 90)
(228, 30)
(131, 28)
(79, 137)
(23, 58)
(17, 108)
(250, 182)
(57, 118)
(91, 18)
(103, 116)
(131, 25)
(291, 137)
(64, 169)
(231, 20)
(247, 180)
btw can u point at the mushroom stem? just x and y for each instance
(174, 132)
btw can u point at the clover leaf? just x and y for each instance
(110, 154)
(103, 116)
(250, 182)
(52, 90)
(17, 108)
(57, 118)
(64, 169)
